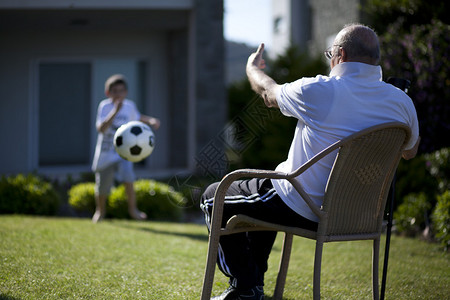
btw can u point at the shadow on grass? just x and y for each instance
(6, 297)
(199, 237)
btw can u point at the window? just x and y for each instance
(64, 113)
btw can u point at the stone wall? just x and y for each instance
(328, 18)
(211, 98)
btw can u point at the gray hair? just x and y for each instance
(360, 43)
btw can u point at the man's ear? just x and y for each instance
(107, 94)
(343, 56)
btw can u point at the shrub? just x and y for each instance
(414, 178)
(418, 191)
(420, 54)
(411, 214)
(438, 164)
(156, 199)
(441, 219)
(415, 45)
(82, 197)
(27, 195)
(117, 206)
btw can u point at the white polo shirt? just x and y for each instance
(329, 108)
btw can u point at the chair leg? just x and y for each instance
(284, 264)
(210, 267)
(317, 270)
(375, 261)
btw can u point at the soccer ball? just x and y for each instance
(134, 141)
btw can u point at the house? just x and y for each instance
(311, 24)
(55, 56)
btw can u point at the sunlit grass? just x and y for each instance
(53, 258)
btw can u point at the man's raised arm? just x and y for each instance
(260, 82)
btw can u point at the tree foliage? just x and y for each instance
(380, 14)
(415, 45)
(422, 55)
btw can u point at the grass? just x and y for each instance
(57, 258)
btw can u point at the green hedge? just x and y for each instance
(411, 214)
(158, 200)
(82, 197)
(422, 194)
(441, 219)
(27, 195)
(438, 164)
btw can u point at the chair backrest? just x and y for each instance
(360, 179)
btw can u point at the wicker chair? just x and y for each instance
(353, 205)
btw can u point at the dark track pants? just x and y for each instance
(243, 256)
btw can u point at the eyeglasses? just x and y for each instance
(329, 53)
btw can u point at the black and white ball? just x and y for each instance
(134, 141)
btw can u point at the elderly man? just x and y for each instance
(328, 108)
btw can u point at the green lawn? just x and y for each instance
(54, 258)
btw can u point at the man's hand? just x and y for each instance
(256, 60)
(261, 83)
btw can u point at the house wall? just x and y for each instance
(210, 109)
(14, 109)
(310, 24)
(328, 18)
(178, 44)
(20, 58)
(291, 24)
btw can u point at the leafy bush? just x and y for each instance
(441, 219)
(382, 13)
(27, 195)
(411, 214)
(438, 164)
(156, 199)
(415, 45)
(420, 54)
(414, 178)
(82, 197)
(419, 182)
(117, 206)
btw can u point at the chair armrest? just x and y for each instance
(225, 183)
(228, 179)
(315, 209)
(256, 173)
